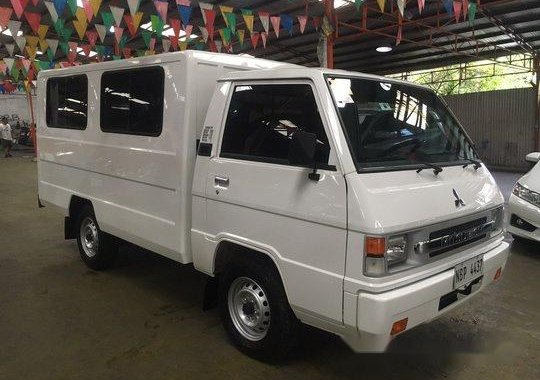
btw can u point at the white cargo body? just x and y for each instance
(351, 202)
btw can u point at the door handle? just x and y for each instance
(222, 182)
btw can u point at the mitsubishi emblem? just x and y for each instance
(458, 201)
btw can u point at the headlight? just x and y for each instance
(526, 194)
(382, 253)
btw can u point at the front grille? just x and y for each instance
(447, 239)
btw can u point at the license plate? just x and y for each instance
(468, 271)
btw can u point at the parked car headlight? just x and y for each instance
(526, 194)
(384, 252)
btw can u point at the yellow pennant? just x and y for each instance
(43, 45)
(80, 27)
(150, 52)
(80, 14)
(137, 17)
(32, 41)
(182, 45)
(381, 4)
(31, 52)
(240, 34)
(248, 19)
(224, 9)
(95, 4)
(42, 31)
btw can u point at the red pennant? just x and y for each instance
(421, 5)
(316, 22)
(175, 25)
(255, 39)
(188, 29)
(88, 11)
(152, 44)
(92, 36)
(129, 23)
(35, 2)
(34, 19)
(174, 42)
(19, 6)
(263, 37)
(465, 9)
(118, 31)
(5, 15)
(86, 49)
(116, 49)
(127, 52)
(400, 30)
(302, 20)
(275, 23)
(212, 45)
(210, 18)
(457, 9)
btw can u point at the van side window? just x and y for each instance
(132, 101)
(263, 118)
(67, 102)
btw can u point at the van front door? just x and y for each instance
(256, 197)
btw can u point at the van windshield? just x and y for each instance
(392, 125)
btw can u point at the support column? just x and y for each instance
(329, 13)
(536, 63)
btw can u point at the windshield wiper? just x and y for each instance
(436, 169)
(476, 163)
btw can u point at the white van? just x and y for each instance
(349, 202)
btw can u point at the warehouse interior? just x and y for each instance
(144, 317)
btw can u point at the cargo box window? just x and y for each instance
(132, 101)
(262, 120)
(67, 102)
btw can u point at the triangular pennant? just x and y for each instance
(60, 5)
(174, 42)
(157, 24)
(18, 7)
(118, 31)
(96, 4)
(185, 13)
(275, 24)
(50, 54)
(210, 18)
(316, 22)
(14, 27)
(401, 6)
(88, 11)
(472, 13)
(9, 63)
(5, 15)
(146, 35)
(224, 10)
(3, 68)
(205, 6)
(15, 73)
(10, 49)
(92, 36)
(255, 39)
(72, 5)
(219, 45)
(449, 6)
(240, 35)
(80, 27)
(204, 33)
(64, 47)
(152, 44)
(42, 31)
(43, 45)
(231, 21)
(117, 13)
(225, 34)
(381, 4)
(465, 9)
(287, 22)
(32, 41)
(133, 6)
(101, 31)
(108, 19)
(421, 5)
(52, 11)
(126, 52)
(175, 25)
(457, 9)
(80, 14)
(53, 45)
(162, 7)
(26, 64)
(183, 45)
(358, 4)
(265, 21)
(264, 36)
(302, 21)
(122, 42)
(31, 51)
(66, 33)
(86, 49)
(21, 42)
(166, 45)
(188, 30)
(248, 20)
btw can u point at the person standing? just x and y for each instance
(7, 137)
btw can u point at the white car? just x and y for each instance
(524, 203)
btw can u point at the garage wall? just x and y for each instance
(501, 123)
(15, 104)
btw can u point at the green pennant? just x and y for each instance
(66, 33)
(108, 19)
(50, 54)
(157, 25)
(199, 46)
(140, 53)
(225, 35)
(100, 49)
(64, 47)
(146, 35)
(472, 12)
(15, 74)
(72, 5)
(358, 4)
(116, 57)
(247, 12)
(231, 20)
(59, 26)
(122, 42)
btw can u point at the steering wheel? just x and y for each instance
(416, 142)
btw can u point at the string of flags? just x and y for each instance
(80, 28)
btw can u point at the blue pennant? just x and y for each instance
(185, 13)
(60, 5)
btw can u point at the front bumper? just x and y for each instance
(419, 302)
(527, 212)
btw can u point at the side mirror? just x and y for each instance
(533, 157)
(302, 149)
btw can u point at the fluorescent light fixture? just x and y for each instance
(384, 49)
(340, 3)
(168, 31)
(7, 32)
(80, 4)
(81, 52)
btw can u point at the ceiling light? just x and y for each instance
(340, 3)
(384, 49)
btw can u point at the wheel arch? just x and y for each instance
(76, 204)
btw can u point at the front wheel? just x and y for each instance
(97, 248)
(255, 310)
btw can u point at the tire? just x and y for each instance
(255, 311)
(97, 249)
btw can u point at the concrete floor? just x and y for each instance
(143, 319)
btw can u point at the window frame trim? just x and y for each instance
(268, 160)
(65, 77)
(128, 132)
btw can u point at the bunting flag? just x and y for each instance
(18, 7)
(401, 7)
(381, 4)
(59, 5)
(358, 4)
(92, 36)
(31, 51)
(14, 27)
(52, 11)
(218, 46)
(275, 24)
(421, 5)
(265, 21)
(231, 21)
(133, 6)
(449, 6)
(43, 46)
(9, 63)
(400, 30)
(157, 25)
(465, 9)
(42, 31)
(21, 42)
(117, 14)
(264, 36)
(72, 5)
(161, 7)
(95, 4)
(457, 9)
(185, 13)
(86, 48)
(175, 25)
(204, 33)
(152, 44)
(316, 22)
(108, 19)
(240, 33)
(10, 49)
(5, 15)
(166, 44)
(183, 45)
(210, 16)
(146, 35)
(206, 7)
(53, 45)
(188, 29)
(247, 14)
(302, 21)
(32, 41)
(224, 10)
(225, 34)
(255, 39)
(118, 31)
(88, 11)
(133, 22)
(287, 22)
(101, 31)
(174, 42)
(126, 52)
(80, 27)
(326, 27)
(472, 13)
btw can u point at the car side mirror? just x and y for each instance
(302, 152)
(533, 157)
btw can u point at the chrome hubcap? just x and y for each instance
(89, 237)
(249, 308)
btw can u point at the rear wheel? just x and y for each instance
(255, 310)
(97, 248)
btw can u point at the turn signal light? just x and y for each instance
(375, 246)
(399, 326)
(497, 274)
